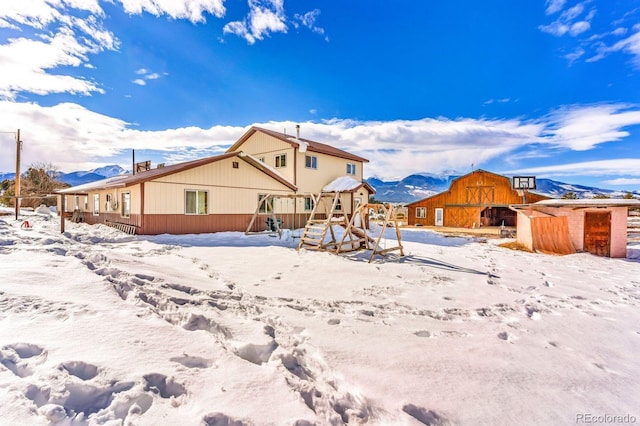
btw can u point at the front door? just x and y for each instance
(439, 216)
(597, 233)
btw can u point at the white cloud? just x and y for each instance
(566, 22)
(265, 17)
(581, 128)
(579, 27)
(622, 181)
(27, 62)
(575, 55)
(394, 148)
(193, 10)
(84, 139)
(595, 47)
(554, 6)
(556, 28)
(145, 75)
(616, 167)
(630, 45)
(309, 20)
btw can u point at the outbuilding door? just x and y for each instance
(597, 233)
(439, 216)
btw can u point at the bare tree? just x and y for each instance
(40, 179)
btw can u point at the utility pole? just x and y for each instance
(17, 179)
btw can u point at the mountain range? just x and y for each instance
(417, 186)
(411, 188)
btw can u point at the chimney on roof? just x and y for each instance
(297, 131)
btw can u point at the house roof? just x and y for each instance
(347, 184)
(311, 146)
(128, 180)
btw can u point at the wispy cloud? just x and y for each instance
(265, 17)
(616, 167)
(581, 128)
(499, 101)
(568, 21)
(145, 75)
(26, 62)
(309, 20)
(192, 10)
(622, 181)
(576, 21)
(67, 33)
(395, 148)
(554, 6)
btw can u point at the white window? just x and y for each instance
(196, 202)
(351, 169)
(281, 161)
(86, 203)
(311, 161)
(308, 204)
(339, 205)
(110, 203)
(96, 204)
(421, 212)
(266, 206)
(76, 203)
(125, 204)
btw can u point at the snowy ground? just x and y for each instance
(97, 327)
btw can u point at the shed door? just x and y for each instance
(439, 216)
(597, 233)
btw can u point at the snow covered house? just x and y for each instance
(221, 193)
(596, 226)
(480, 198)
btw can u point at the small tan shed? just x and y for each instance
(596, 226)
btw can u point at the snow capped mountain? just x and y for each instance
(82, 177)
(422, 185)
(109, 171)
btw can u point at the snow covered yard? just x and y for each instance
(98, 327)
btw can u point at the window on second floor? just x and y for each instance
(281, 161)
(351, 169)
(311, 161)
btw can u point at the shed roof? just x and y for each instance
(312, 146)
(128, 180)
(580, 203)
(347, 184)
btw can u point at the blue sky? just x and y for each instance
(549, 88)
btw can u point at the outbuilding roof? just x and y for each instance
(580, 203)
